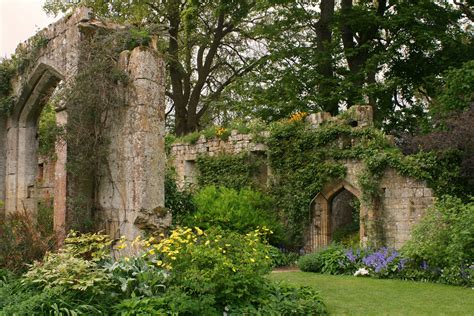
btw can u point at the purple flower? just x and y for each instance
(350, 256)
(424, 265)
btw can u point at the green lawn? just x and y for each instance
(348, 295)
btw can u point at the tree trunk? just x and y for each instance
(325, 66)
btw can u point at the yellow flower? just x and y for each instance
(121, 246)
(207, 242)
(173, 258)
(233, 269)
(127, 259)
(151, 252)
(198, 230)
(252, 260)
(159, 263)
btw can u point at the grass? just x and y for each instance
(348, 295)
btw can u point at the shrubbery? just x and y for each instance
(240, 211)
(192, 272)
(336, 259)
(24, 239)
(442, 243)
(441, 250)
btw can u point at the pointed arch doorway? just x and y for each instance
(335, 210)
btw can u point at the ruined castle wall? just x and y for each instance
(183, 155)
(404, 202)
(3, 162)
(131, 186)
(131, 193)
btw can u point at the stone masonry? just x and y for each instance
(130, 195)
(403, 202)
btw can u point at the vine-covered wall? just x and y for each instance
(307, 156)
(109, 160)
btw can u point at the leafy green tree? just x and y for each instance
(325, 55)
(208, 45)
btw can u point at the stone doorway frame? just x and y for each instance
(22, 156)
(129, 195)
(319, 231)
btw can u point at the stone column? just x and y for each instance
(60, 183)
(3, 163)
(131, 193)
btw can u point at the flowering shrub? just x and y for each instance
(191, 272)
(335, 259)
(227, 265)
(297, 117)
(382, 262)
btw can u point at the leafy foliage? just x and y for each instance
(180, 202)
(24, 239)
(190, 272)
(239, 211)
(444, 241)
(48, 131)
(231, 171)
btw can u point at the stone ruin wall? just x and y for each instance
(131, 187)
(184, 156)
(404, 200)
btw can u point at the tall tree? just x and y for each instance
(389, 53)
(209, 45)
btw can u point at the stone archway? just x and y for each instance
(322, 216)
(130, 194)
(22, 158)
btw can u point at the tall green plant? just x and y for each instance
(444, 240)
(240, 211)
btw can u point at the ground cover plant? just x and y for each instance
(347, 295)
(190, 272)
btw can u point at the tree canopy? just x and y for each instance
(271, 58)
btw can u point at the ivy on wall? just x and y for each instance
(304, 159)
(231, 171)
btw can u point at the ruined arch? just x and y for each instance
(22, 159)
(319, 229)
(130, 193)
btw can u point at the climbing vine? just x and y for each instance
(232, 171)
(91, 98)
(304, 159)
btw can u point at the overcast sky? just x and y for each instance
(19, 20)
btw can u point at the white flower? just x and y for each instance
(361, 271)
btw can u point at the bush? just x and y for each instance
(191, 272)
(24, 239)
(179, 202)
(240, 211)
(68, 282)
(443, 242)
(328, 260)
(335, 259)
(225, 265)
(283, 258)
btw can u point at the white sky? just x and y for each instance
(19, 20)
